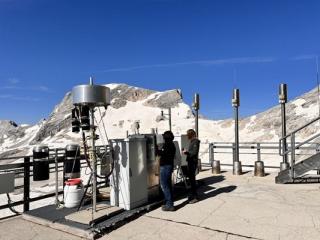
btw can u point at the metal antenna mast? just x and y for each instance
(234, 78)
(90, 97)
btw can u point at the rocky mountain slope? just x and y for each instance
(132, 104)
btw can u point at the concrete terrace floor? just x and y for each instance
(231, 207)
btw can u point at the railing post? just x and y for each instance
(259, 165)
(215, 164)
(258, 152)
(56, 177)
(317, 151)
(211, 152)
(26, 185)
(293, 155)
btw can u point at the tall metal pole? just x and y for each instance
(170, 123)
(236, 133)
(56, 178)
(94, 165)
(196, 107)
(237, 169)
(283, 98)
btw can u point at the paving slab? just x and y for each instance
(151, 228)
(85, 216)
(253, 207)
(18, 228)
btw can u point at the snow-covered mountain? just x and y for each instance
(132, 104)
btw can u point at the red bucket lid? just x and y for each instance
(73, 181)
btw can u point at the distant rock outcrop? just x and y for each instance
(58, 120)
(167, 99)
(121, 94)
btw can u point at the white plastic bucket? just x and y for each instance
(73, 193)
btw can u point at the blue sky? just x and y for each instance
(205, 46)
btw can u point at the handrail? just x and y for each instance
(308, 140)
(292, 135)
(245, 142)
(284, 150)
(299, 145)
(259, 146)
(302, 127)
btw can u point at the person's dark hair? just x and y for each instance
(168, 136)
(191, 133)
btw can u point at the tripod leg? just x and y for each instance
(85, 193)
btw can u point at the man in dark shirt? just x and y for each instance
(167, 154)
(192, 160)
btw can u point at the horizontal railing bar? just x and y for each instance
(308, 140)
(230, 165)
(263, 147)
(17, 203)
(51, 153)
(299, 154)
(14, 204)
(250, 143)
(11, 166)
(300, 128)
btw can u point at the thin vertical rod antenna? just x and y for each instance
(234, 78)
(318, 84)
(170, 120)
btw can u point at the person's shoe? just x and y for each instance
(193, 201)
(168, 209)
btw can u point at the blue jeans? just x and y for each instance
(192, 168)
(166, 184)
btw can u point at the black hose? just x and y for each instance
(10, 202)
(88, 162)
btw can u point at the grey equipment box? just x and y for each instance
(129, 180)
(6, 183)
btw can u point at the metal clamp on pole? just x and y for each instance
(237, 168)
(283, 99)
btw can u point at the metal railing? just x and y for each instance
(24, 170)
(261, 148)
(285, 150)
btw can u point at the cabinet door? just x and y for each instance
(138, 172)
